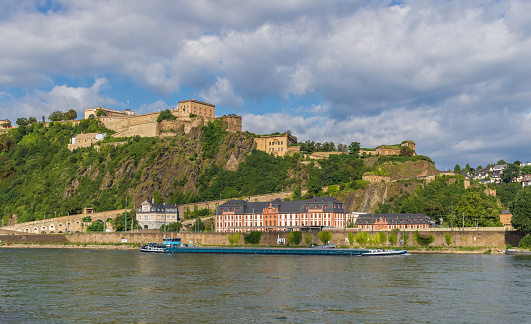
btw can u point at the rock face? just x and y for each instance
(367, 200)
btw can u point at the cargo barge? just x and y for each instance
(174, 246)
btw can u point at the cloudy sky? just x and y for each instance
(453, 76)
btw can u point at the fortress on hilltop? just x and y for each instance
(189, 114)
(389, 149)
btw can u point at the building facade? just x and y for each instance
(196, 107)
(389, 149)
(85, 140)
(92, 112)
(152, 216)
(373, 178)
(278, 215)
(392, 221)
(277, 145)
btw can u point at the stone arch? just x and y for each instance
(52, 228)
(35, 230)
(146, 227)
(27, 230)
(43, 229)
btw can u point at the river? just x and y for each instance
(71, 285)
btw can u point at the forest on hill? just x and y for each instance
(42, 178)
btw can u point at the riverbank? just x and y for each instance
(130, 246)
(70, 246)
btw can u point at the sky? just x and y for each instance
(453, 76)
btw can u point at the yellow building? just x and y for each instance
(92, 112)
(199, 108)
(277, 145)
(389, 149)
(85, 140)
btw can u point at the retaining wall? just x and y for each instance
(339, 238)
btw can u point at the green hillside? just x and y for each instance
(40, 176)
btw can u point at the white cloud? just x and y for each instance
(63, 98)
(453, 76)
(222, 93)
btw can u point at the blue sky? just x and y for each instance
(453, 76)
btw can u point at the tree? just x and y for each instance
(476, 209)
(70, 115)
(510, 172)
(165, 115)
(526, 169)
(96, 226)
(467, 168)
(100, 112)
(296, 192)
(253, 237)
(295, 237)
(406, 151)
(392, 238)
(56, 116)
(22, 121)
(351, 238)
(308, 238)
(234, 238)
(324, 236)
(521, 209)
(119, 221)
(198, 226)
(457, 169)
(354, 148)
(32, 120)
(500, 162)
(171, 227)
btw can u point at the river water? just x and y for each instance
(70, 285)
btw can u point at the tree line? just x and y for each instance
(54, 116)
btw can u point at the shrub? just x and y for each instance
(324, 236)
(234, 238)
(351, 238)
(253, 238)
(361, 238)
(165, 115)
(308, 238)
(448, 238)
(86, 219)
(295, 237)
(525, 243)
(392, 238)
(405, 238)
(382, 238)
(423, 241)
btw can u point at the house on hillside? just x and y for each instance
(505, 218)
(277, 145)
(152, 216)
(526, 180)
(85, 140)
